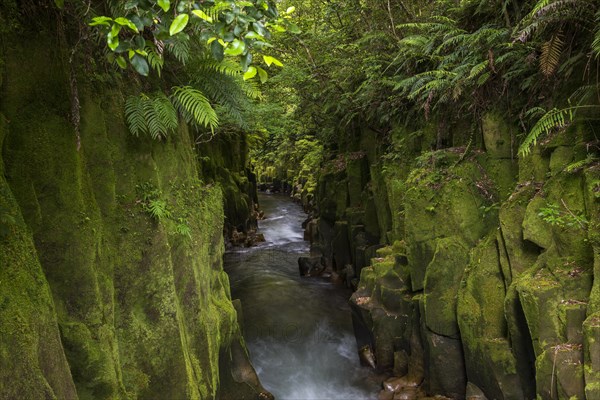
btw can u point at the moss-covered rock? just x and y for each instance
(32, 359)
(444, 203)
(484, 333)
(442, 282)
(141, 299)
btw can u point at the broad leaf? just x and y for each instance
(293, 28)
(272, 60)
(251, 73)
(125, 22)
(235, 48)
(121, 62)
(201, 14)
(179, 24)
(216, 50)
(100, 21)
(140, 64)
(164, 4)
(262, 74)
(253, 35)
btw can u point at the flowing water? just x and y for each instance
(298, 330)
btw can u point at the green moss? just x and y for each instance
(143, 310)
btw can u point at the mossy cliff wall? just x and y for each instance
(476, 268)
(99, 299)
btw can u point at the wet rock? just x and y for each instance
(385, 395)
(397, 384)
(474, 393)
(310, 266)
(401, 360)
(408, 393)
(366, 356)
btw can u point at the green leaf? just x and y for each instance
(235, 48)
(216, 49)
(293, 28)
(112, 39)
(59, 3)
(251, 73)
(140, 64)
(201, 14)
(179, 24)
(253, 35)
(100, 21)
(290, 10)
(245, 61)
(121, 62)
(125, 22)
(272, 60)
(164, 4)
(262, 74)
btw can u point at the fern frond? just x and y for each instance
(581, 163)
(551, 51)
(134, 113)
(251, 89)
(179, 46)
(478, 69)
(155, 60)
(194, 106)
(166, 113)
(154, 116)
(552, 120)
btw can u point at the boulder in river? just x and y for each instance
(310, 266)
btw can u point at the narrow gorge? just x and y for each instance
(299, 199)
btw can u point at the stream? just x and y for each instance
(298, 330)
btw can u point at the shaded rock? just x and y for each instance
(474, 393)
(310, 266)
(367, 357)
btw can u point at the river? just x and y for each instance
(298, 330)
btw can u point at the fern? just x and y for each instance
(154, 116)
(134, 112)
(179, 46)
(553, 119)
(581, 163)
(194, 107)
(155, 60)
(551, 51)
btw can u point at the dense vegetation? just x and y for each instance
(448, 150)
(401, 63)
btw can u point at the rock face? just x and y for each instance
(101, 295)
(476, 270)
